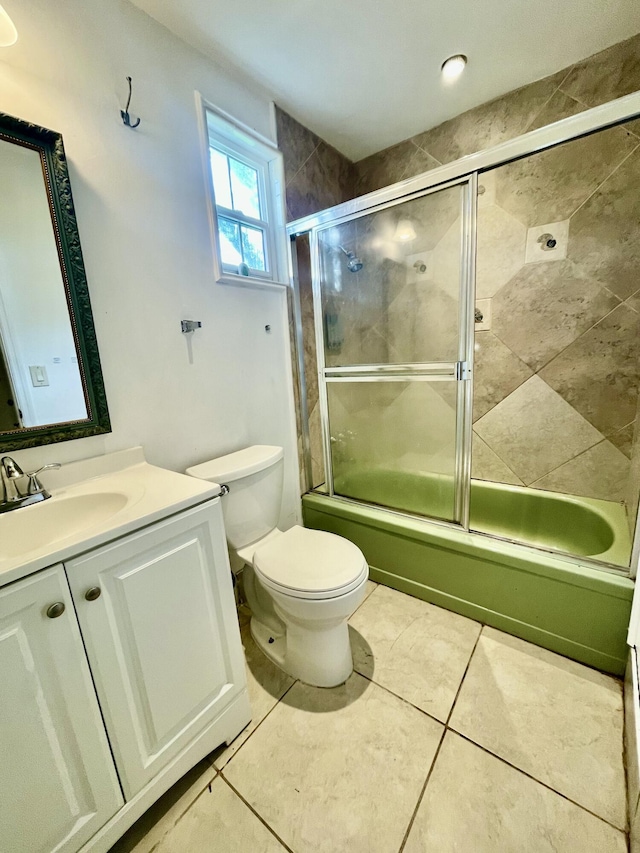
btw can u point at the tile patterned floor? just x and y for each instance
(448, 737)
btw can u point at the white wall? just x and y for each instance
(141, 206)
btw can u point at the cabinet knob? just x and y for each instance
(55, 610)
(92, 593)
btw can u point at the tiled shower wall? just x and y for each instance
(560, 336)
(557, 357)
(316, 177)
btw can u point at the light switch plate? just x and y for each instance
(38, 375)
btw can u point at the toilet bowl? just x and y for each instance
(301, 585)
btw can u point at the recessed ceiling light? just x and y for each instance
(8, 32)
(453, 66)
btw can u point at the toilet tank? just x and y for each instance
(254, 477)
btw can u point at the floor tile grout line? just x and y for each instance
(251, 733)
(207, 787)
(407, 701)
(534, 779)
(422, 792)
(174, 823)
(364, 601)
(259, 816)
(464, 675)
(397, 696)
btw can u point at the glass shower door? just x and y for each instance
(392, 299)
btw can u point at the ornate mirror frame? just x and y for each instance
(49, 146)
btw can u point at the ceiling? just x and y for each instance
(364, 74)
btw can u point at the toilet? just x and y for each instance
(301, 585)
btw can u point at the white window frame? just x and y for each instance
(222, 131)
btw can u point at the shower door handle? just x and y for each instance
(463, 371)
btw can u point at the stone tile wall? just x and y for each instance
(316, 177)
(600, 78)
(557, 374)
(557, 361)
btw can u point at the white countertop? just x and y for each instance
(148, 494)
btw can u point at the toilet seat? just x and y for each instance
(311, 564)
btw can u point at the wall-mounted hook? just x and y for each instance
(126, 118)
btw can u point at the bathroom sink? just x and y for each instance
(92, 502)
(38, 525)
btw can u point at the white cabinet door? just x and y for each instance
(58, 784)
(162, 637)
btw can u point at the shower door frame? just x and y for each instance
(467, 168)
(459, 371)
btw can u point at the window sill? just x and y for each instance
(250, 281)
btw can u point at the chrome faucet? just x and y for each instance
(11, 473)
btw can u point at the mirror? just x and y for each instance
(51, 386)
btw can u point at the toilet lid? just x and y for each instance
(310, 561)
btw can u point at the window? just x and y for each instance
(242, 213)
(245, 181)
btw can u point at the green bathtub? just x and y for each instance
(577, 610)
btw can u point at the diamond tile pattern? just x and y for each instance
(498, 372)
(551, 185)
(604, 239)
(601, 470)
(487, 465)
(535, 430)
(598, 374)
(545, 307)
(607, 75)
(560, 320)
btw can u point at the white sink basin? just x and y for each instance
(38, 525)
(93, 502)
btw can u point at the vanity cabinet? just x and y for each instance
(58, 785)
(157, 615)
(133, 676)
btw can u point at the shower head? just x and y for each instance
(354, 264)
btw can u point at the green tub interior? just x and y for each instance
(570, 607)
(583, 527)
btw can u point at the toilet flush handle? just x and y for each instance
(224, 490)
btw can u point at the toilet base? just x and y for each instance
(273, 645)
(314, 646)
(317, 658)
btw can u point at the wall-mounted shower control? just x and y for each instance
(547, 242)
